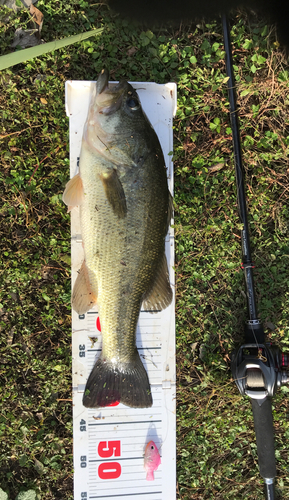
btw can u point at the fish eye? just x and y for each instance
(152, 447)
(132, 103)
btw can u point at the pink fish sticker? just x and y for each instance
(152, 460)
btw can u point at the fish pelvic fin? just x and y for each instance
(114, 193)
(159, 295)
(126, 383)
(73, 194)
(83, 298)
(150, 475)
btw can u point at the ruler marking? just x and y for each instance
(123, 416)
(143, 432)
(120, 423)
(118, 458)
(129, 494)
(139, 349)
(150, 311)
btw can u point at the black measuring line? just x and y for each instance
(118, 459)
(151, 311)
(138, 348)
(129, 494)
(124, 423)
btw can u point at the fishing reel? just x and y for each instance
(259, 368)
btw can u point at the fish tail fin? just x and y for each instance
(150, 476)
(126, 383)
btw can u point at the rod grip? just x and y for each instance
(263, 423)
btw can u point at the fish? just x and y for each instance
(152, 460)
(125, 210)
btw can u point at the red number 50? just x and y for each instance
(107, 449)
(109, 470)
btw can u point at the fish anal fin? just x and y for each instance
(83, 298)
(73, 194)
(114, 193)
(159, 295)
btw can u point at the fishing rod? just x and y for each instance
(258, 367)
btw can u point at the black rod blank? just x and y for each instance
(239, 171)
(263, 420)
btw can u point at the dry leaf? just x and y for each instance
(215, 168)
(131, 51)
(37, 17)
(43, 100)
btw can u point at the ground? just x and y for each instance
(215, 438)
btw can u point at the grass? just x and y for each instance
(215, 442)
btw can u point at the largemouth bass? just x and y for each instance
(125, 211)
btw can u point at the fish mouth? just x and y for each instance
(109, 100)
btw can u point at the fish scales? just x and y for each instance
(125, 210)
(117, 260)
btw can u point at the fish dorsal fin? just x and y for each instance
(83, 298)
(114, 193)
(73, 194)
(160, 295)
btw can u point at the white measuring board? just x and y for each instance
(109, 442)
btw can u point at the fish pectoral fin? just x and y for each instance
(83, 298)
(159, 295)
(73, 194)
(114, 193)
